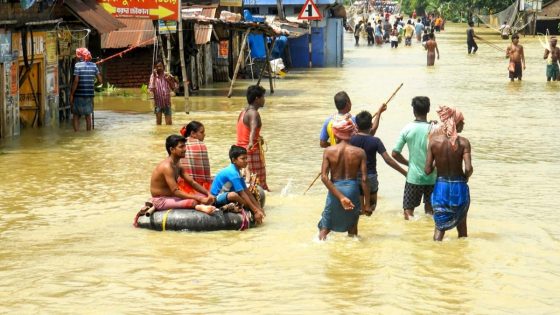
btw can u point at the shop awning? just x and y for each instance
(92, 14)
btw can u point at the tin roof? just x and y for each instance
(93, 15)
(135, 32)
(202, 32)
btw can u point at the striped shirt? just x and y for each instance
(161, 89)
(86, 71)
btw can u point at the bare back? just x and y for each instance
(344, 161)
(449, 162)
(431, 46)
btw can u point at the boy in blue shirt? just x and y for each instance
(229, 186)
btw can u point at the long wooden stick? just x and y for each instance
(491, 44)
(390, 98)
(313, 182)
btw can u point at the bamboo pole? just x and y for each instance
(239, 60)
(390, 97)
(168, 66)
(183, 67)
(313, 182)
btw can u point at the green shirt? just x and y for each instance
(415, 135)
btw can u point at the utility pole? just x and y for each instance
(280, 9)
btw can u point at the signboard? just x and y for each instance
(147, 9)
(231, 3)
(5, 46)
(52, 58)
(38, 44)
(309, 11)
(167, 27)
(530, 5)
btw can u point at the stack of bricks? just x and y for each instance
(129, 71)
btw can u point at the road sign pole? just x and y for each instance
(310, 47)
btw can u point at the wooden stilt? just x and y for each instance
(183, 67)
(268, 62)
(168, 66)
(239, 61)
(267, 66)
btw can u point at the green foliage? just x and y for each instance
(455, 9)
(144, 89)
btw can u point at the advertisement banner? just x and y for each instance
(147, 9)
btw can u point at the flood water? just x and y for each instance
(68, 201)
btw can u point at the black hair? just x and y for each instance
(236, 151)
(159, 61)
(254, 91)
(421, 105)
(363, 120)
(341, 99)
(193, 126)
(432, 36)
(172, 141)
(514, 36)
(471, 23)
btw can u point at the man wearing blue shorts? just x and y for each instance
(229, 186)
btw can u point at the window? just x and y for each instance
(272, 11)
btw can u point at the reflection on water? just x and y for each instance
(68, 200)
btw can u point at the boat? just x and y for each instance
(193, 220)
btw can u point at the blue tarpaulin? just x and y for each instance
(256, 44)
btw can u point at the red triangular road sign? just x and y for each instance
(309, 11)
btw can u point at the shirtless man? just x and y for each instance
(516, 58)
(551, 55)
(163, 185)
(432, 48)
(450, 198)
(343, 161)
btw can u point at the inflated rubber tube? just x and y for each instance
(191, 220)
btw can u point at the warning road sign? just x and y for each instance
(309, 11)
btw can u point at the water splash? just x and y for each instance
(286, 190)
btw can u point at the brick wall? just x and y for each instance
(131, 70)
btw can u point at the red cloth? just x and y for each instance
(83, 54)
(449, 118)
(256, 165)
(344, 128)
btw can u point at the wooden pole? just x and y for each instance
(268, 62)
(390, 97)
(239, 60)
(168, 66)
(182, 58)
(313, 182)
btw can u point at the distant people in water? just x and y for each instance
(472, 47)
(505, 30)
(552, 55)
(516, 57)
(448, 152)
(432, 49)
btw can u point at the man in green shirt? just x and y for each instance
(415, 136)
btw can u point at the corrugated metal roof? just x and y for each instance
(202, 33)
(135, 32)
(93, 15)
